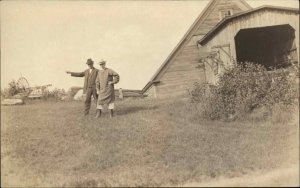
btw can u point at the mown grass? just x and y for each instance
(148, 143)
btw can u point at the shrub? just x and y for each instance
(244, 88)
(57, 94)
(12, 89)
(73, 90)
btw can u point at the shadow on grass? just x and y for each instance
(134, 109)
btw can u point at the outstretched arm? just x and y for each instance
(76, 74)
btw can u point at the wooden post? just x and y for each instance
(155, 83)
(120, 93)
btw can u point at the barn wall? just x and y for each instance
(181, 73)
(261, 18)
(226, 35)
(214, 17)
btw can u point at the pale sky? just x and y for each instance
(43, 39)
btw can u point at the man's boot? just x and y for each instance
(111, 113)
(86, 109)
(98, 113)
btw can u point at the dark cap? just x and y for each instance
(90, 61)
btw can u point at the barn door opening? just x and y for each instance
(272, 46)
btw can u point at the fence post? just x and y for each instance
(120, 93)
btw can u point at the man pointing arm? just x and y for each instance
(89, 87)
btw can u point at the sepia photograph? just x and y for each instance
(149, 93)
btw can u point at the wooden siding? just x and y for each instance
(180, 72)
(128, 93)
(214, 17)
(261, 18)
(183, 73)
(174, 94)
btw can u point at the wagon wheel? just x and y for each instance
(23, 84)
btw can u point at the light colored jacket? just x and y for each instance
(106, 91)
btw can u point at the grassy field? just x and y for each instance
(148, 143)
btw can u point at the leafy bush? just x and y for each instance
(12, 89)
(244, 88)
(57, 94)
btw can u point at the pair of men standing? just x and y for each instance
(100, 85)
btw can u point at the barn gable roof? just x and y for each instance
(189, 33)
(223, 23)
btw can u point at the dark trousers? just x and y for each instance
(88, 99)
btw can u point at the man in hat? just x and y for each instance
(105, 88)
(89, 87)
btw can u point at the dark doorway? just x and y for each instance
(272, 46)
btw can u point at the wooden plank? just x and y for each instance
(182, 67)
(174, 71)
(173, 91)
(221, 46)
(179, 82)
(165, 91)
(190, 49)
(181, 79)
(189, 53)
(189, 77)
(192, 75)
(186, 61)
(187, 58)
(178, 79)
(189, 61)
(193, 67)
(174, 94)
(182, 73)
(174, 87)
